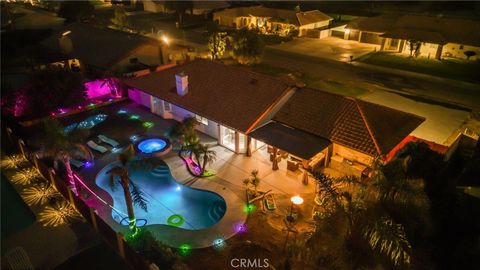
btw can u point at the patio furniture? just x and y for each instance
(18, 259)
(283, 154)
(76, 163)
(270, 202)
(97, 147)
(292, 165)
(107, 140)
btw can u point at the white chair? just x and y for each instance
(97, 147)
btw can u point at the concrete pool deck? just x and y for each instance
(230, 170)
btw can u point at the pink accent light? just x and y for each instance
(97, 88)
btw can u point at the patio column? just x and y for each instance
(249, 146)
(305, 172)
(275, 160)
(237, 142)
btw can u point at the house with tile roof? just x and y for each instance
(245, 111)
(438, 36)
(271, 20)
(114, 49)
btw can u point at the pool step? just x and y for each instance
(161, 171)
(217, 210)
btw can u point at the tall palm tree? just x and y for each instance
(184, 132)
(133, 195)
(203, 156)
(55, 143)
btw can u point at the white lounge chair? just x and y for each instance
(76, 163)
(97, 147)
(105, 139)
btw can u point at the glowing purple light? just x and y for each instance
(97, 88)
(20, 104)
(88, 164)
(241, 227)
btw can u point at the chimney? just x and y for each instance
(181, 80)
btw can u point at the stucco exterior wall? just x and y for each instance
(457, 51)
(351, 154)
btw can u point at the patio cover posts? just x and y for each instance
(295, 142)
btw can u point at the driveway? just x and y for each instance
(331, 48)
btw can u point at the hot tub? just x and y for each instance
(153, 146)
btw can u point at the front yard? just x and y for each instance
(446, 68)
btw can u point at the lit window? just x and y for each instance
(167, 107)
(201, 119)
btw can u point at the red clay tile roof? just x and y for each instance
(232, 96)
(282, 15)
(360, 125)
(424, 28)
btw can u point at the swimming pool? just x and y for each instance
(156, 146)
(168, 199)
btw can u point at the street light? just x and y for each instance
(165, 40)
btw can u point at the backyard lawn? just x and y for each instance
(447, 68)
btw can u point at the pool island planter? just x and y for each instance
(153, 147)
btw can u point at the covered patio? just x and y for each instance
(300, 150)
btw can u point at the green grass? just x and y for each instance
(310, 81)
(452, 69)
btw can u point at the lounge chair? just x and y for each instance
(76, 163)
(105, 139)
(97, 147)
(270, 202)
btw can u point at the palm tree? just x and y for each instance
(365, 214)
(58, 145)
(204, 156)
(133, 195)
(184, 132)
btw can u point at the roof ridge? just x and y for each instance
(364, 118)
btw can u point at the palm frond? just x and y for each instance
(390, 239)
(138, 196)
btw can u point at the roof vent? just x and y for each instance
(181, 80)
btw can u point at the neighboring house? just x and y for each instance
(23, 18)
(244, 111)
(95, 49)
(199, 7)
(438, 37)
(278, 21)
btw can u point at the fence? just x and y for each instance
(114, 239)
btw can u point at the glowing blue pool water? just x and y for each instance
(149, 146)
(199, 208)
